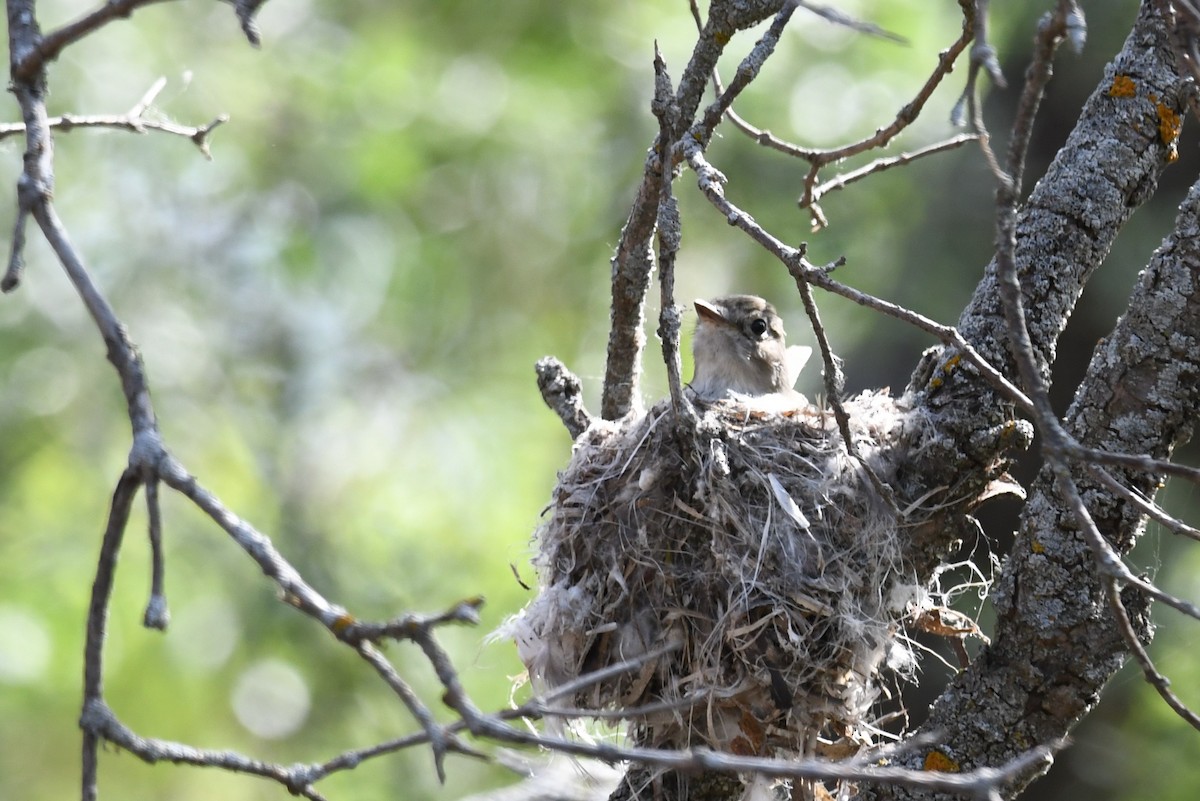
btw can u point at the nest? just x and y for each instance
(740, 585)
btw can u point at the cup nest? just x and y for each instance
(738, 585)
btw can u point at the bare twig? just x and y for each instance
(133, 121)
(1114, 571)
(844, 179)
(411, 625)
(1161, 683)
(669, 233)
(670, 320)
(33, 55)
(820, 158)
(440, 741)
(747, 71)
(836, 17)
(16, 256)
(711, 180)
(1135, 461)
(157, 615)
(633, 260)
(1148, 508)
(97, 622)
(563, 393)
(968, 782)
(1052, 30)
(1107, 559)
(295, 590)
(99, 721)
(631, 267)
(983, 58)
(835, 381)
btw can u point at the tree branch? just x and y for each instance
(633, 260)
(1056, 628)
(37, 53)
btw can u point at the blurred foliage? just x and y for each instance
(412, 202)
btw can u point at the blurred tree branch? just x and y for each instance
(134, 121)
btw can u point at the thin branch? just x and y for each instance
(1052, 30)
(669, 232)
(97, 621)
(411, 626)
(747, 71)
(968, 782)
(36, 184)
(633, 260)
(670, 320)
(1007, 196)
(879, 165)
(157, 615)
(33, 59)
(1148, 508)
(819, 158)
(983, 58)
(121, 351)
(1107, 559)
(585, 680)
(440, 742)
(836, 17)
(710, 181)
(1136, 461)
(16, 256)
(1161, 683)
(295, 590)
(132, 121)
(835, 381)
(632, 264)
(98, 718)
(1114, 570)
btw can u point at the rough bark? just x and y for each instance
(1108, 167)
(1056, 643)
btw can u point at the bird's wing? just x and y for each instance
(797, 356)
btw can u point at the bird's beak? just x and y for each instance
(711, 313)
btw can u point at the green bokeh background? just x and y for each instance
(411, 203)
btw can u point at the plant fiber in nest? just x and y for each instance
(748, 574)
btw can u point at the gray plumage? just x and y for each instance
(740, 349)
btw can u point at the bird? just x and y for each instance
(739, 350)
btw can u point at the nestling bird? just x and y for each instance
(739, 350)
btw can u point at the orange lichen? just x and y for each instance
(938, 761)
(1169, 126)
(946, 369)
(1122, 86)
(1037, 547)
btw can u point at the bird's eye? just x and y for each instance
(758, 327)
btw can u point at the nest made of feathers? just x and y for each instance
(743, 583)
